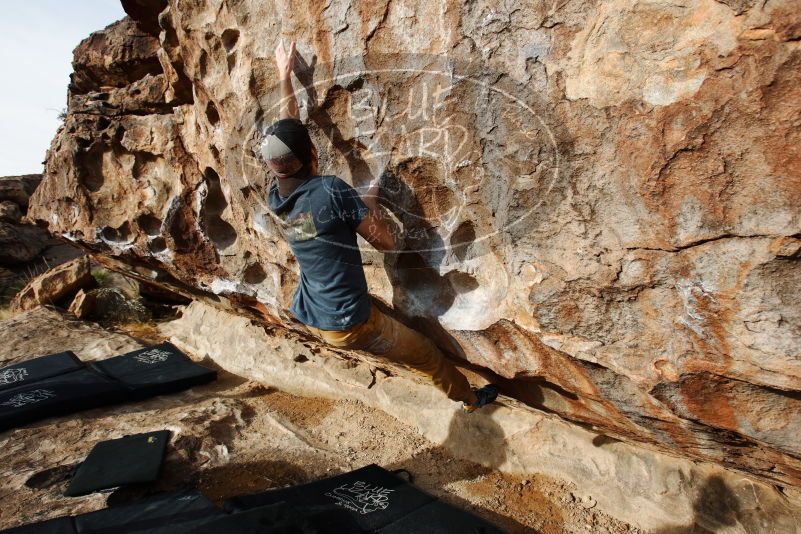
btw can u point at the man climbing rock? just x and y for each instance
(321, 216)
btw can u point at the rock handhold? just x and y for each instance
(55, 285)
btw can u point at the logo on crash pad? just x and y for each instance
(11, 376)
(29, 397)
(361, 497)
(152, 356)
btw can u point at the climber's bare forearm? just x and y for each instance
(289, 104)
(284, 63)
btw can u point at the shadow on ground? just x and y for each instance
(482, 446)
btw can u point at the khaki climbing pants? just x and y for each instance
(383, 336)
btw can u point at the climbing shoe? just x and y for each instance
(485, 395)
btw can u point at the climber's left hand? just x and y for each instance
(284, 60)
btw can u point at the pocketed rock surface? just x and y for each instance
(234, 437)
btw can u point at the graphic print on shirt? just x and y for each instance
(300, 227)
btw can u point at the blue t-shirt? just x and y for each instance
(319, 221)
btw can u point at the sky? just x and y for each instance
(36, 42)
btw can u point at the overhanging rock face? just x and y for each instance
(600, 201)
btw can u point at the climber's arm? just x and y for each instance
(377, 228)
(284, 62)
(377, 231)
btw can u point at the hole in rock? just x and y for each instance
(230, 38)
(601, 440)
(424, 179)
(181, 225)
(121, 234)
(221, 234)
(462, 282)
(149, 224)
(212, 114)
(170, 35)
(254, 274)
(461, 240)
(90, 167)
(421, 286)
(231, 61)
(203, 63)
(158, 244)
(143, 163)
(356, 84)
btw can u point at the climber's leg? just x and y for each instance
(384, 336)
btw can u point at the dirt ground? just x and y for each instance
(520, 505)
(235, 437)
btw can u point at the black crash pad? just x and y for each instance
(39, 368)
(440, 518)
(59, 525)
(59, 395)
(373, 496)
(281, 518)
(155, 370)
(172, 512)
(117, 462)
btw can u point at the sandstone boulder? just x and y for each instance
(55, 285)
(81, 306)
(108, 304)
(599, 199)
(21, 243)
(18, 189)
(9, 212)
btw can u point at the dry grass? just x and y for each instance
(6, 312)
(146, 332)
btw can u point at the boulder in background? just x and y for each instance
(55, 285)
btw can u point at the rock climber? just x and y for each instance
(320, 216)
